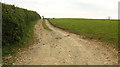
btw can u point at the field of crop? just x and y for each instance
(102, 29)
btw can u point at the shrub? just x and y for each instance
(15, 21)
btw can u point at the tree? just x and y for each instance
(42, 17)
(109, 17)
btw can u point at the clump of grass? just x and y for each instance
(45, 26)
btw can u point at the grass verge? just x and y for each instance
(45, 26)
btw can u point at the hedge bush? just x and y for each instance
(15, 21)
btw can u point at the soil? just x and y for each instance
(58, 47)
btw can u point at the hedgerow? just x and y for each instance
(15, 23)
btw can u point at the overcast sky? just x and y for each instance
(99, 9)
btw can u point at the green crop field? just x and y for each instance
(101, 29)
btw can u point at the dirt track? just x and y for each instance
(58, 47)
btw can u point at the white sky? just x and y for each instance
(99, 9)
